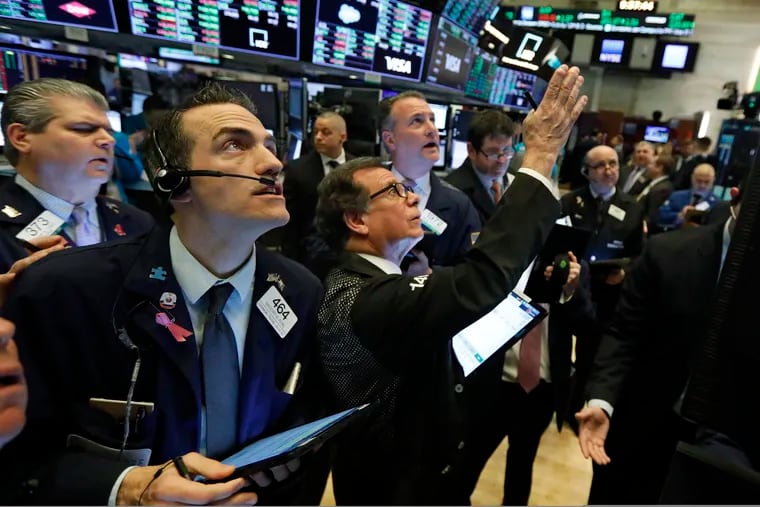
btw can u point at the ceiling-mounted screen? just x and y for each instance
(498, 85)
(675, 56)
(266, 27)
(470, 15)
(452, 50)
(92, 14)
(18, 65)
(382, 36)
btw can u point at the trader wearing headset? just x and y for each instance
(171, 345)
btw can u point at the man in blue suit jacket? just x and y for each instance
(125, 322)
(450, 221)
(698, 198)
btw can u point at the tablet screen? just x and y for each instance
(506, 323)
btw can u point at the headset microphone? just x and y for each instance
(221, 174)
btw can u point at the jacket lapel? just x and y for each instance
(113, 223)
(18, 208)
(480, 196)
(147, 280)
(261, 400)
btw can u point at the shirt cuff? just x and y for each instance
(543, 179)
(564, 299)
(601, 404)
(117, 485)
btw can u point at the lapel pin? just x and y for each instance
(158, 273)
(10, 211)
(118, 229)
(275, 278)
(113, 207)
(168, 300)
(579, 200)
(179, 333)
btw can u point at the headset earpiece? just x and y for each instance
(166, 182)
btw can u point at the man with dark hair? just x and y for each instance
(387, 338)
(58, 138)
(483, 176)
(176, 324)
(409, 134)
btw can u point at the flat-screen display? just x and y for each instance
(267, 27)
(656, 134)
(386, 37)
(264, 97)
(114, 118)
(460, 124)
(452, 50)
(497, 85)
(470, 15)
(19, 65)
(613, 50)
(2, 135)
(675, 56)
(91, 14)
(441, 112)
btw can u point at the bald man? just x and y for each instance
(301, 179)
(698, 198)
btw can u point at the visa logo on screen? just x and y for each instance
(399, 65)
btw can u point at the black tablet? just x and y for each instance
(280, 448)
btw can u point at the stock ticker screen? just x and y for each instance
(470, 15)
(19, 65)
(381, 36)
(500, 86)
(265, 27)
(93, 14)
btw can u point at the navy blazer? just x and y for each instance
(73, 354)
(454, 208)
(668, 212)
(117, 220)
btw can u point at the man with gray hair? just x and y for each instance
(58, 138)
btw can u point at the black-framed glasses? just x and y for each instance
(395, 188)
(507, 153)
(612, 163)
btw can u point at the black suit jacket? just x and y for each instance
(302, 176)
(117, 220)
(682, 179)
(454, 208)
(642, 363)
(638, 186)
(466, 180)
(401, 327)
(73, 354)
(652, 201)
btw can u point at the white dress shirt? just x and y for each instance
(422, 187)
(325, 159)
(383, 264)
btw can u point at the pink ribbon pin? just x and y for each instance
(178, 332)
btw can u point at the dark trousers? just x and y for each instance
(521, 416)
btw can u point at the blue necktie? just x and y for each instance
(221, 375)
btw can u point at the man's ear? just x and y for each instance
(355, 222)
(184, 198)
(18, 137)
(388, 139)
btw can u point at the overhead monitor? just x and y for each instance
(147, 63)
(185, 55)
(268, 27)
(470, 15)
(386, 37)
(20, 65)
(612, 51)
(520, 48)
(90, 14)
(264, 97)
(675, 56)
(452, 50)
(500, 86)
(656, 134)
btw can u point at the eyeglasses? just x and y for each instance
(507, 153)
(395, 188)
(603, 164)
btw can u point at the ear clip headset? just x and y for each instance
(169, 180)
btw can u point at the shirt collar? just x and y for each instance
(421, 185)
(340, 158)
(196, 280)
(486, 179)
(60, 208)
(606, 197)
(383, 264)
